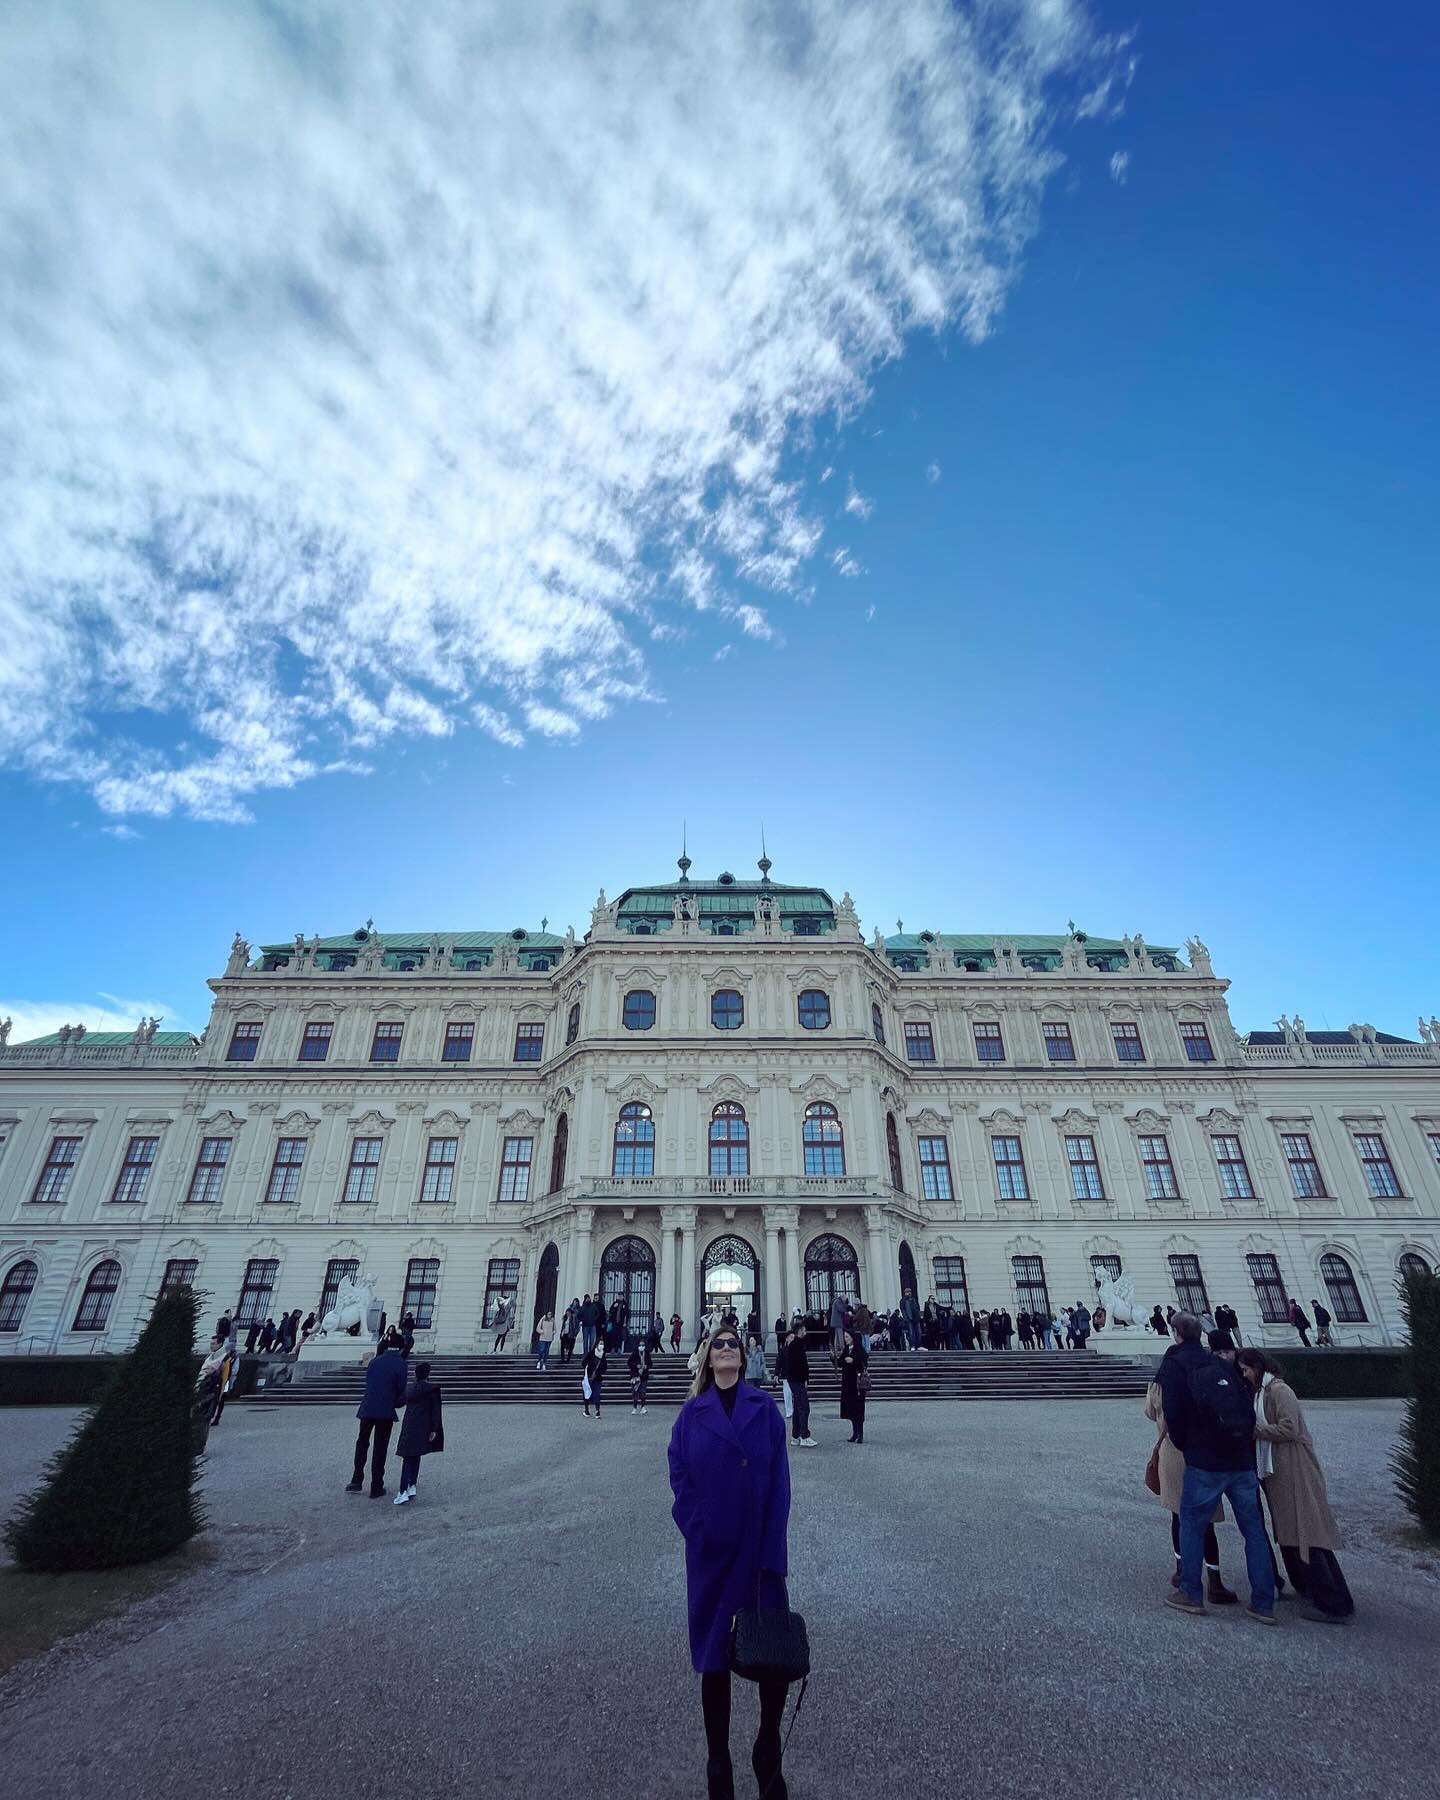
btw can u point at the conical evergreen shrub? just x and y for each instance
(1416, 1461)
(121, 1491)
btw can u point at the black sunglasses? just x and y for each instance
(725, 1343)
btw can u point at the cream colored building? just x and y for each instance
(722, 1089)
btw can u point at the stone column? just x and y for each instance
(788, 1218)
(665, 1302)
(878, 1256)
(580, 1270)
(773, 1303)
(686, 1302)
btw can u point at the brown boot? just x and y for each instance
(1216, 1591)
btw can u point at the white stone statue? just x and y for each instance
(5, 1027)
(239, 956)
(879, 942)
(1299, 1027)
(1420, 1021)
(1199, 956)
(356, 1303)
(1117, 1296)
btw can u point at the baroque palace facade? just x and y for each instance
(722, 1090)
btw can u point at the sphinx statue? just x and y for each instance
(1117, 1295)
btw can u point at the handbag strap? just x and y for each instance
(785, 1745)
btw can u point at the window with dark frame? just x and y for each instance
(1235, 1182)
(1104, 1267)
(919, 1041)
(814, 1010)
(639, 1010)
(60, 1163)
(180, 1272)
(727, 1010)
(951, 1287)
(1084, 1162)
(245, 1041)
(1270, 1295)
(209, 1173)
(633, 1151)
(529, 1043)
(364, 1171)
(257, 1290)
(989, 1044)
(935, 1181)
(315, 1044)
(1196, 1040)
(422, 1279)
(385, 1044)
(135, 1171)
(502, 1282)
(1009, 1168)
(459, 1042)
(438, 1179)
(877, 1022)
(284, 1185)
(1160, 1183)
(515, 1163)
(1304, 1170)
(822, 1139)
(892, 1150)
(1129, 1046)
(1341, 1286)
(1379, 1170)
(1190, 1292)
(15, 1292)
(1412, 1263)
(1434, 1137)
(559, 1153)
(338, 1269)
(729, 1140)
(1032, 1295)
(94, 1310)
(572, 1025)
(1058, 1045)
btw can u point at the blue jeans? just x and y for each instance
(1202, 1490)
(587, 1338)
(542, 1349)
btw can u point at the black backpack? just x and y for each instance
(1223, 1402)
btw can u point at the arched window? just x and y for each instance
(823, 1140)
(1411, 1263)
(634, 1141)
(572, 1025)
(639, 1012)
(99, 1296)
(892, 1145)
(727, 1010)
(547, 1283)
(877, 1022)
(15, 1292)
(1339, 1280)
(831, 1269)
(909, 1281)
(814, 1007)
(730, 1273)
(559, 1151)
(729, 1140)
(627, 1274)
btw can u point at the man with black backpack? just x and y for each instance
(1210, 1416)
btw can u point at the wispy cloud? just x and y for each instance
(869, 613)
(370, 374)
(124, 832)
(722, 653)
(99, 1012)
(845, 563)
(932, 474)
(1120, 166)
(856, 503)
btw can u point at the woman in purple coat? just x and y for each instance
(731, 1483)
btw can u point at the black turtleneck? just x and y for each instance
(727, 1398)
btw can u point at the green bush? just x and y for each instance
(1346, 1374)
(121, 1491)
(1416, 1461)
(54, 1380)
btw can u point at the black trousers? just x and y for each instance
(409, 1471)
(1319, 1580)
(799, 1409)
(1212, 1543)
(382, 1429)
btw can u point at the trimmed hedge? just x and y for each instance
(1417, 1456)
(54, 1380)
(1346, 1374)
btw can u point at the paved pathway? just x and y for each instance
(982, 1584)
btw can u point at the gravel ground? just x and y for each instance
(982, 1584)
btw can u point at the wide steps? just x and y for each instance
(932, 1375)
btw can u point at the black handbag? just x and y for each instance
(769, 1643)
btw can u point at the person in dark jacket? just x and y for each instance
(593, 1378)
(267, 1337)
(1300, 1319)
(1226, 1320)
(1323, 1334)
(1158, 1323)
(384, 1390)
(797, 1379)
(569, 1331)
(250, 1336)
(1210, 1419)
(407, 1335)
(853, 1362)
(731, 1482)
(590, 1317)
(640, 1359)
(421, 1430)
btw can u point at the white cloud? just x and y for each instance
(722, 653)
(124, 832)
(826, 473)
(869, 614)
(101, 1012)
(932, 474)
(845, 562)
(365, 372)
(1120, 166)
(856, 503)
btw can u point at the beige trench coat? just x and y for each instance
(1299, 1506)
(1172, 1462)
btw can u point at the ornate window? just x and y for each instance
(529, 1043)
(437, 1182)
(315, 1044)
(515, 1161)
(385, 1045)
(135, 1170)
(1160, 1183)
(634, 1150)
(180, 1272)
(244, 1041)
(1269, 1288)
(422, 1278)
(1129, 1046)
(951, 1287)
(892, 1150)
(1434, 1138)
(1104, 1268)
(502, 1282)
(822, 1140)
(59, 1167)
(1058, 1046)
(639, 1013)
(459, 1041)
(1304, 1170)
(99, 1297)
(1031, 1293)
(338, 1269)
(935, 1181)
(572, 1025)
(729, 1140)
(1189, 1285)
(877, 1022)
(730, 1276)
(1235, 1182)
(285, 1172)
(1411, 1263)
(364, 1171)
(559, 1153)
(832, 1270)
(1009, 1168)
(814, 1010)
(209, 1174)
(1339, 1281)
(727, 1010)
(1084, 1168)
(989, 1045)
(1379, 1170)
(919, 1041)
(1196, 1040)
(257, 1290)
(15, 1292)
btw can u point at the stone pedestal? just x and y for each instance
(340, 1352)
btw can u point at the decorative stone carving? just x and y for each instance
(1199, 956)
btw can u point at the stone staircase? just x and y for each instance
(922, 1375)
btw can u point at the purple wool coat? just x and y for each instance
(731, 1481)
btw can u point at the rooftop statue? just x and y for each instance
(5, 1025)
(1199, 956)
(239, 956)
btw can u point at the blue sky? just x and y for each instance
(429, 546)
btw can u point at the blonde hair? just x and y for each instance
(704, 1374)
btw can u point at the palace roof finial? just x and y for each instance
(764, 865)
(683, 859)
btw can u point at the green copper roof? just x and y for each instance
(1027, 942)
(109, 1037)
(422, 940)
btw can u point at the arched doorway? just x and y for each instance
(627, 1274)
(547, 1281)
(907, 1271)
(731, 1278)
(831, 1268)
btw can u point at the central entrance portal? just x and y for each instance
(627, 1274)
(731, 1278)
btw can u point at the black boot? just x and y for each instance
(765, 1760)
(720, 1778)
